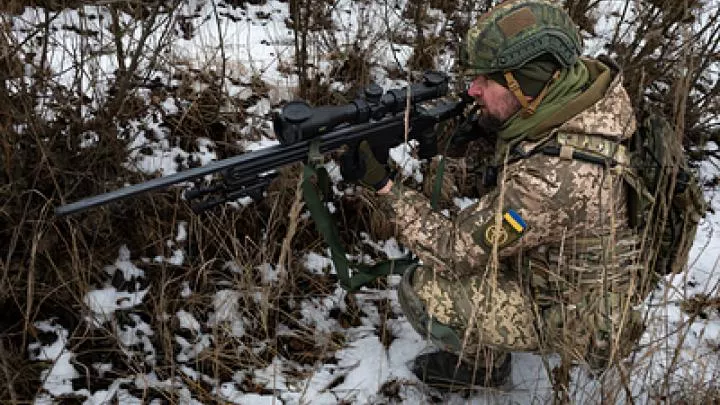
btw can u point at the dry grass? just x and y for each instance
(47, 265)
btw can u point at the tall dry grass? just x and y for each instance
(47, 265)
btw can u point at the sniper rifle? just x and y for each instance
(305, 132)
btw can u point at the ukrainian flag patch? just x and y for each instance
(515, 221)
(511, 229)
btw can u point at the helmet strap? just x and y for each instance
(528, 108)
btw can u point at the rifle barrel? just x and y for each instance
(161, 182)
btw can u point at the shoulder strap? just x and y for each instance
(326, 227)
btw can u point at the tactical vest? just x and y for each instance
(665, 200)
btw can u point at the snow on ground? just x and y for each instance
(365, 370)
(695, 336)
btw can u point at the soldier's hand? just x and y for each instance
(360, 165)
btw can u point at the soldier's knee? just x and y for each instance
(417, 315)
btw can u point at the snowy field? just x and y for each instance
(364, 370)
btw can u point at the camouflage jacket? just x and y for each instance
(544, 207)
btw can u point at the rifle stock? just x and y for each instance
(248, 174)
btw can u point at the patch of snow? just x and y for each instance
(251, 146)
(316, 263)
(408, 165)
(188, 321)
(229, 392)
(58, 380)
(169, 106)
(330, 207)
(233, 267)
(390, 247)
(464, 202)
(315, 311)
(124, 397)
(262, 107)
(272, 377)
(227, 306)
(137, 333)
(205, 153)
(40, 352)
(368, 362)
(190, 372)
(269, 274)
(123, 263)
(181, 235)
(177, 258)
(104, 302)
(186, 291)
(102, 368)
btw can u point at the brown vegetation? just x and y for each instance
(48, 264)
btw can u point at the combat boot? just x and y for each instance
(443, 371)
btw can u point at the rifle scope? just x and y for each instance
(299, 121)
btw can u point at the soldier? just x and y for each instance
(545, 261)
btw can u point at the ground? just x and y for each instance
(188, 330)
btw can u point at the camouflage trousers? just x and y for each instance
(586, 320)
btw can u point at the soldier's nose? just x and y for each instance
(475, 89)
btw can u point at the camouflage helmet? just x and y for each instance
(518, 31)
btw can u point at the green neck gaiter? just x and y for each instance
(570, 84)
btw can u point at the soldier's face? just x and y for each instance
(496, 102)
